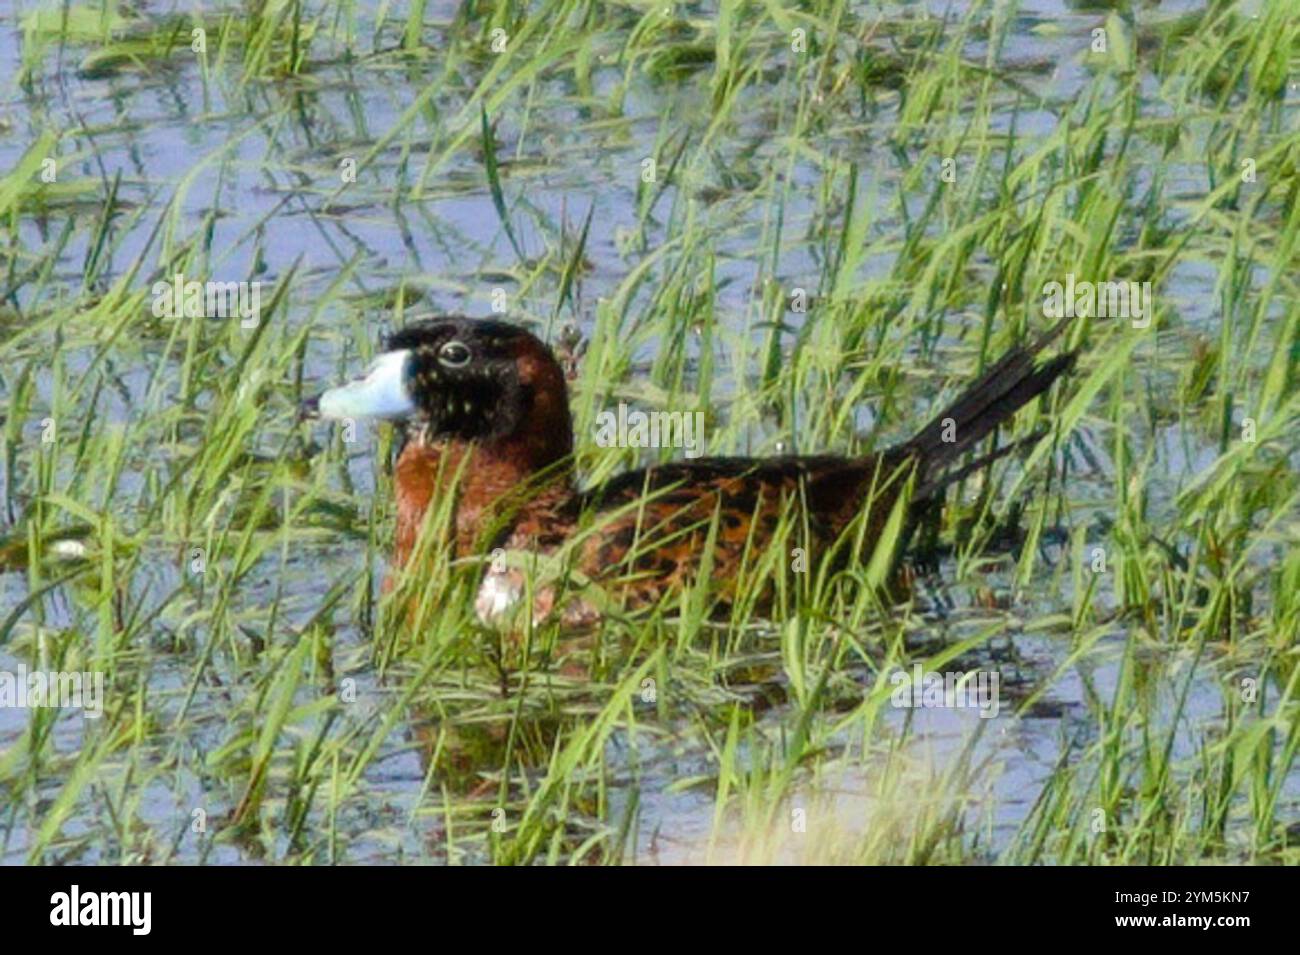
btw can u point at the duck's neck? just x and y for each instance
(492, 481)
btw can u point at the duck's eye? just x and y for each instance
(454, 355)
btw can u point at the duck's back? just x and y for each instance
(650, 532)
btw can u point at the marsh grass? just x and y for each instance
(798, 268)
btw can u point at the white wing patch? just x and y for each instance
(498, 595)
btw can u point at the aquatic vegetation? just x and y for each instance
(812, 224)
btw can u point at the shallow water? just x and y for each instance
(267, 154)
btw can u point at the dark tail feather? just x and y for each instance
(999, 393)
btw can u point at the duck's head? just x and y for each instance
(462, 379)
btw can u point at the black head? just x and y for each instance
(460, 378)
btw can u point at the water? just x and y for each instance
(268, 155)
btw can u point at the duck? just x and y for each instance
(481, 408)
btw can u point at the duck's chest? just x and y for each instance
(475, 486)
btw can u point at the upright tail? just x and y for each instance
(1005, 387)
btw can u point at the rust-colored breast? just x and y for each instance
(415, 480)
